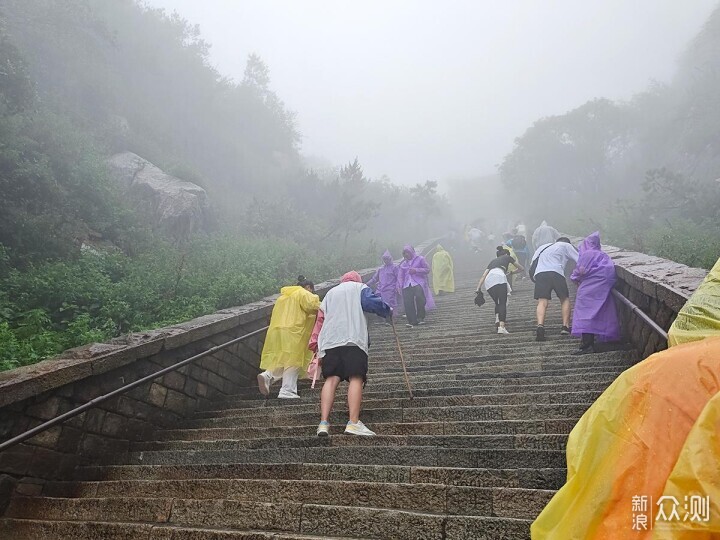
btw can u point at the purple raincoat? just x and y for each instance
(422, 271)
(385, 281)
(595, 311)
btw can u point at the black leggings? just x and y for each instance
(414, 299)
(499, 295)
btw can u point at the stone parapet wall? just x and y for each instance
(659, 287)
(33, 394)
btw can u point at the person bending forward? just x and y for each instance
(340, 338)
(285, 351)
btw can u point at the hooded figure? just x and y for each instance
(413, 283)
(443, 277)
(544, 234)
(385, 281)
(285, 351)
(595, 313)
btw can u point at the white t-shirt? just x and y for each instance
(555, 257)
(345, 322)
(496, 276)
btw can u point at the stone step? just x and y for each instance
(494, 427)
(356, 455)
(417, 403)
(313, 519)
(571, 363)
(530, 478)
(419, 497)
(488, 382)
(25, 529)
(283, 417)
(527, 441)
(425, 391)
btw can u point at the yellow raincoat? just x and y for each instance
(443, 278)
(653, 433)
(700, 316)
(291, 323)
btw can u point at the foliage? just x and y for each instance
(63, 304)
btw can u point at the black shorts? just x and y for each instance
(547, 282)
(345, 362)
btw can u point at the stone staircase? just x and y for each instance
(476, 455)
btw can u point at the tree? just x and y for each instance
(352, 210)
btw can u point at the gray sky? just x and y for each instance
(423, 89)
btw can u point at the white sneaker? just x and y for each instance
(285, 394)
(502, 330)
(323, 429)
(358, 429)
(264, 381)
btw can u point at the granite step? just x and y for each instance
(520, 441)
(357, 455)
(422, 497)
(283, 417)
(26, 529)
(314, 519)
(495, 427)
(530, 478)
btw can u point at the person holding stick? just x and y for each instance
(340, 340)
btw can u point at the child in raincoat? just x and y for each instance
(443, 278)
(285, 353)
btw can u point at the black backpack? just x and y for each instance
(534, 265)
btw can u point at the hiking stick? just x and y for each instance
(402, 359)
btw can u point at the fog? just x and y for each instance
(430, 90)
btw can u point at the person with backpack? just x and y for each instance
(520, 247)
(496, 284)
(340, 340)
(285, 353)
(547, 270)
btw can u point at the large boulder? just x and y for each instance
(173, 206)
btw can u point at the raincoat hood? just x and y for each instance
(440, 248)
(290, 289)
(411, 250)
(387, 258)
(591, 243)
(351, 276)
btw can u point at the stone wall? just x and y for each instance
(34, 394)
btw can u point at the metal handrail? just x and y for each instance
(640, 313)
(100, 399)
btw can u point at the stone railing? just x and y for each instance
(33, 394)
(659, 287)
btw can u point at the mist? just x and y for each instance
(164, 159)
(421, 90)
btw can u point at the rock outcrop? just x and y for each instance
(173, 206)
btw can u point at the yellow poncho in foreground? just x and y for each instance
(443, 278)
(653, 433)
(700, 316)
(291, 324)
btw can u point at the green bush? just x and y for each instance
(64, 304)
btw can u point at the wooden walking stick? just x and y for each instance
(402, 359)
